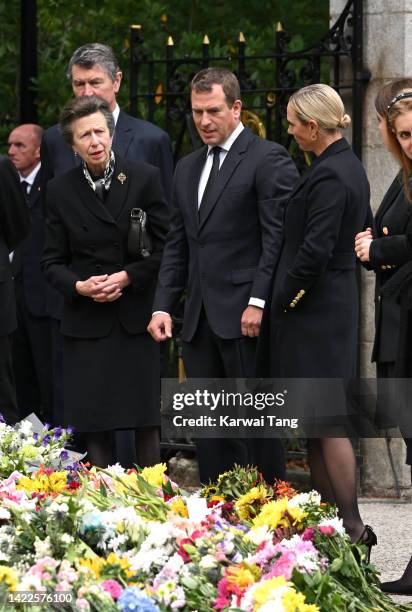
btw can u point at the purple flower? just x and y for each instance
(46, 426)
(35, 436)
(2, 419)
(64, 455)
(57, 433)
(69, 430)
(46, 440)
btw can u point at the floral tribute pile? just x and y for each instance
(79, 538)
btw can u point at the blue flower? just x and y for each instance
(136, 600)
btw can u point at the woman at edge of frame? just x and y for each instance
(389, 252)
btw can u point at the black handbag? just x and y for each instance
(139, 243)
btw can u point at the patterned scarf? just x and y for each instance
(104, 182)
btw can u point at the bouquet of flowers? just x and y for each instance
(76, 538)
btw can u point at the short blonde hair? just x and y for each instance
(322, 104)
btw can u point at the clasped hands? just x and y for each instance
(362, 244)
(104, 287)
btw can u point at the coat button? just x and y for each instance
(292, 305)
(385, 231)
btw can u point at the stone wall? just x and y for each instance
(387, 54)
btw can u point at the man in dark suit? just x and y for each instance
(14, 226)
(223, 245)
(93, 70)
(32, 362)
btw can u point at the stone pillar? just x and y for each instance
(387, 54)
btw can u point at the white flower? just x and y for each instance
(25, 427)
(116, 470)
(66, 538)
(207, 562)
(42, 547)
(334, 522)
(4, 514)
(304, 499)
(31, 582)
(257, 535)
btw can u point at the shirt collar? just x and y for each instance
(30, 177)
(116, 113)
(230, 140)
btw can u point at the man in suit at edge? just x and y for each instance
(14, 227)
(223, 244)
(32, 348)
(93, 70)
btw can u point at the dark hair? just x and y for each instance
(205, 79)
(91, 54)
(83, 106)
(384, 96)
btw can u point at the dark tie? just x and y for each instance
(26, 186)
(210, 181)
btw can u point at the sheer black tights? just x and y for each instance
(333, 470)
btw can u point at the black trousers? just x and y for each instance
(8, 403)
(208, 356)
(33, 364)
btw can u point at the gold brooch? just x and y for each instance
(122, 177)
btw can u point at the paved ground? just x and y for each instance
(392, 523)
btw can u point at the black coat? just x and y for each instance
(389, 250)
(28, 276)
(84, 239)
(314, 312)
(134, 139)
(14, 227)
(230, 255)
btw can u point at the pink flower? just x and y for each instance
(327, 530)
(82, 604)
(283, 566)
(113, 588)
(308, 533)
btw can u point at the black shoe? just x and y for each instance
(397, 587)
(368, 538)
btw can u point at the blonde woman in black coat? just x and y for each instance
(111, 364)
(314, 312)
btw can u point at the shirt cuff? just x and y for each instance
(160, 312)
(257, 302)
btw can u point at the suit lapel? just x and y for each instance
(232, 160)
(117, 195)
(34, 191)
(389, 198)
(193, 185)
(123, 135)
(90, 199)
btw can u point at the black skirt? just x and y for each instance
(112, 382)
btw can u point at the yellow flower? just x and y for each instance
(154, 475)
(243, 575)
(178, 506)
(93, 565)
(295, 602)
(55, 482)
(276, 514)
(266, 590)
(9, 577)
(121, 562)
(245, 504)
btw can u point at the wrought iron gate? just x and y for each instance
(159, 87)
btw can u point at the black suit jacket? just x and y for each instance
(389, 251)
(229, 256)
(14, 226)
(134, 139)
(83, 239)
(314, 310)
(28, 276)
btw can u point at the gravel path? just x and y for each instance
(392, 523)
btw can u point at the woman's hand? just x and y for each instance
(362, 244)
(104, 288)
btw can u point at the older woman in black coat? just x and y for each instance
(314, 311)
(111, 365)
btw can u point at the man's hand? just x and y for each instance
(362, 244)
(251, 320)
(160, 327)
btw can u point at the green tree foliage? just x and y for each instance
(63, 26)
